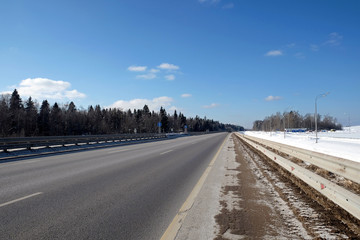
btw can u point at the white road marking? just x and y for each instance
(166, 152)
(20, 199)
(178, 220)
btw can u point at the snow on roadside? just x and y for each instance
(343, 144)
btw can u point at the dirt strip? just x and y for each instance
(259, 201)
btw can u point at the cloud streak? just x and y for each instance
(274, 53)
(165, 70)
(334, 39)
(314, 47)
(210, 1)
(213, 105)
(170, 77)
(168, 66)
(153, 70)
(134, 68)
(272, 98)
(146, 76)
(186, 95)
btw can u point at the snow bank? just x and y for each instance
(344, 144)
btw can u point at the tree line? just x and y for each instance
(18, 119)
(293, 119)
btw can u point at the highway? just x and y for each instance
(127, 192)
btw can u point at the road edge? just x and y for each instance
(175, 225)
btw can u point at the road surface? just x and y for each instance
(126, 192)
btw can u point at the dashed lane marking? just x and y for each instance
(20, 199)
(166, 152)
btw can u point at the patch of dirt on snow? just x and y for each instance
(260, 212)
(320, 217)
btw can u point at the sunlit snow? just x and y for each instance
(344, 144)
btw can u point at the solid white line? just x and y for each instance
(20, 199)
(178, 220)
(166, 152)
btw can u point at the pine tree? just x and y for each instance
(164, 120)
(56, 121)
(70, 119)
(31, 115)
(4, 117)
(44, 119)
(16, 114)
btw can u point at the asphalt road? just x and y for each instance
(127, 192)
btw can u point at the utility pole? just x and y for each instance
(284, 119)
(321, 95)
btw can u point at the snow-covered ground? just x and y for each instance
(344, 144)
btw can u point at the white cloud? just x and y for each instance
(147, 76)
(213, 105)
(168, 66)
(274, 53)
(44, 88)
(334, 39)
(134, 68)
(153, 104)
(173, 108)
(273, 98)
(186, 95)
(153, 70)
(74, 94)
(170, 77)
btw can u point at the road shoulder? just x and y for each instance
(200, 220)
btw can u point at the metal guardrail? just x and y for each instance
(31, 142)
(337, 194)
(343, 167)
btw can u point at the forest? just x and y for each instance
(293, 119)
(29, 118)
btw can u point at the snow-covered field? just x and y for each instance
(344, 144)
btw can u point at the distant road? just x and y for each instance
(127, 192)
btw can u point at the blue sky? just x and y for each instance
(229, 60)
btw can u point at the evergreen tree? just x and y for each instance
(146, 110)
(183, 121)
(31, 115)
(16, 114)
(56, 121)
(70, 119)
(176, 122)
(44, 119)
(17, 120)
(164, 120)
(4, 117)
